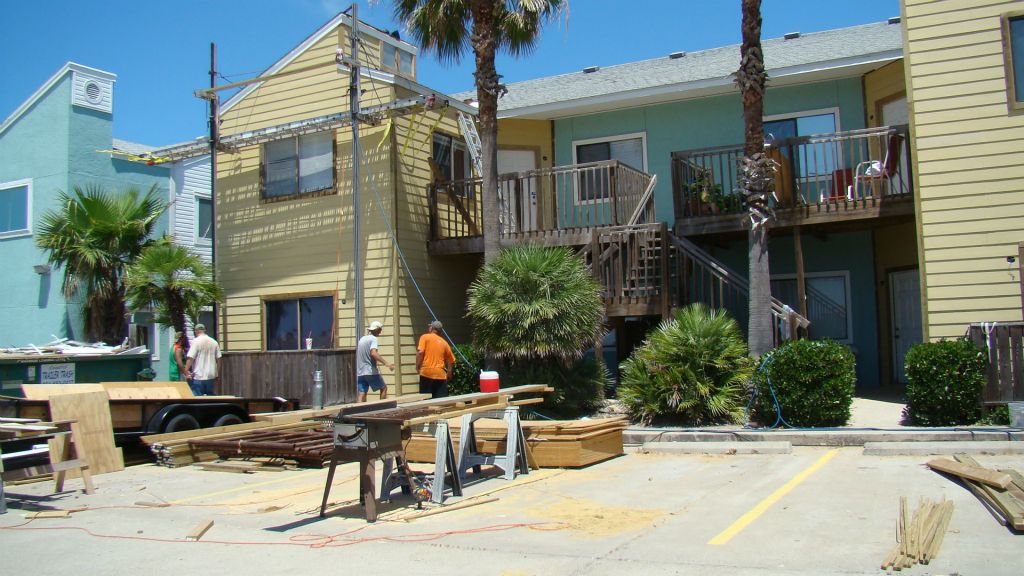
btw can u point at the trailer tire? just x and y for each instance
(181, 423)
(227, 420)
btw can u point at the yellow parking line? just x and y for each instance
(737, 526)
(246, 487)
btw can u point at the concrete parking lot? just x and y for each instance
(812, 511)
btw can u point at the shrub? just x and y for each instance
(944, 382)
(577, 385)
(535, 303)
(813, 381)
(466, 377)
(693, 368)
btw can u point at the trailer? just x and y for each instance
(140, 408)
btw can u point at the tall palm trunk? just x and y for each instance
(485, 44)
(757, 177)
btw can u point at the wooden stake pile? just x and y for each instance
(1000, 491)
(173, 450)
(918, 539)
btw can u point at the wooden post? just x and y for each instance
(1020, 275)
(801, 287)
(612, 194)
(663, 249)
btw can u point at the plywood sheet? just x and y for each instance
(44, 391)
(156, 390)
(93, 429)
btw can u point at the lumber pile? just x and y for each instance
(1000, 491)
(184, 448)
(918, 538)
(553, 443)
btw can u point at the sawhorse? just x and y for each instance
(445, 466)
(515, 445)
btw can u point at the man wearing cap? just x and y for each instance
(367, 357)
(201, 366)
(434, 361)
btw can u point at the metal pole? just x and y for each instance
(214, 139)
(353, 98)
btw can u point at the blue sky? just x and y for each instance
(160, 51)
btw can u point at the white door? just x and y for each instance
(905, 291)
(521, 161)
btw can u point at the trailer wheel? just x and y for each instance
(182, 422)
(227, 420)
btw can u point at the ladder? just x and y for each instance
(468, 128)
(506, 217)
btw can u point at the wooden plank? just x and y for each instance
(978, 474)
(93, 429)
(44, 391)
(48, 514)
(199, 530)
(143, 390)
(1010, 508)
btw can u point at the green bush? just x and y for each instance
(693, 368)
(944, 382)
(577, 385)
(813, 381)
(466, 377)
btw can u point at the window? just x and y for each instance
(15, 208)
(299, 165)
(204, 219)
(290, 322)
(629, 149)
(828, 303)
(395, 59)
(812, 159)
(452, 159)
(1013, 33)
(206, 318)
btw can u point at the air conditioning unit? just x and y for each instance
(95, 91)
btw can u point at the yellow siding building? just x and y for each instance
(285, 214)
(967, 123)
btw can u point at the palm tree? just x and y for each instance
(448, 27)
(536, 303)
(95, 235)
(756, 177)
(174, 280)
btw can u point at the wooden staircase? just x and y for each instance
(645, 270)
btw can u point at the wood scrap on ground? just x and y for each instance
(199, 530)
(918, 537)
(1007, 503)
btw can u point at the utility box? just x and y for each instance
(16, 370)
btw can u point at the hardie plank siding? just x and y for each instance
(190, 179)
(304, 246)
(969, 162)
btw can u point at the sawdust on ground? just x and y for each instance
(594, 519)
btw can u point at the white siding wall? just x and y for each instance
(189, 179)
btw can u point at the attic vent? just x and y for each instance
(792, 36)
(590, 69)
(676, 55)
(93, 92)
(894, 20)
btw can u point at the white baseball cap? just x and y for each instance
(375, 325)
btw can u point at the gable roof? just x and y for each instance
(808, 57)
(340, 19)
(42, 90)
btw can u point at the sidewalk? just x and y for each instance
(871, 420)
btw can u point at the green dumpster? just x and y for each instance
(16, 370)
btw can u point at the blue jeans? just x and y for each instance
(365, 383)
(202, 387)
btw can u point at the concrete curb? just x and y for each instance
(852, 437)
(992, 448)
(727, 448)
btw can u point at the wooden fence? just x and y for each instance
(1004, 344)
(289, 374)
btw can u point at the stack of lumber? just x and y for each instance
(176, 449)
(553, 443)
(1000, 491)
(918, 539)
(308, 448)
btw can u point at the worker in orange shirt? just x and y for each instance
(434, 362)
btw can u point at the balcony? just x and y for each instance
(558, 206)
(852, 176)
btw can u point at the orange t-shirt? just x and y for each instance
(435, 353)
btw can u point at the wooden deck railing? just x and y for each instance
(1003, 342)
(835, 168)
(588, 195)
